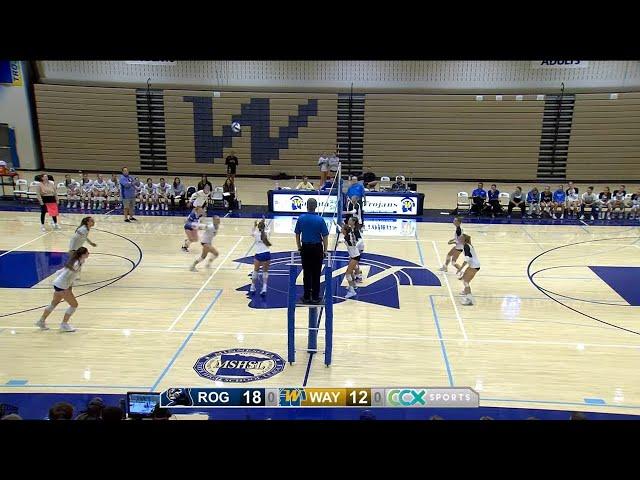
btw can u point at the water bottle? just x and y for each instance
(277, 185)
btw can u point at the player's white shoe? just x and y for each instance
(443, 268)
(41, 325)
(264, 290)
(252, 289)
(193, 268)
(43, 228)
(350, 293)
(65, 327)
(466, 301)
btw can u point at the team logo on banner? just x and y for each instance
(383, 275)
(407, 204)
(239, 365)
(296, 202)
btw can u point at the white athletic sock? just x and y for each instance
(265, 279)
(198, 260)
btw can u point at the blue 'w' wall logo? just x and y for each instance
(257, 115)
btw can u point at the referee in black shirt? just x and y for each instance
(312, 247)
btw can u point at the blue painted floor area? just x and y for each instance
(259, 211)
(35, 406)
(625, 281)
(24, 269)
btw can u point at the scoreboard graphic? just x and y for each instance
(397, 397)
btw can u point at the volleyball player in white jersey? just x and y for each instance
(262, 257)
(472, 263)
(63, 290)
(458, 244)
(206, 240)
(113, 191)
(86, 189)
(163, 191)
(573, 200)
(191, 227)
(138, 186)
(73, 194)
(354, 258)
(99, 190)
(635, 205)
(201, 197)
(80, 236)
(357, 232)
(618, 201)
(149, 196)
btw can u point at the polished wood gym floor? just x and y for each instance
(143, 328)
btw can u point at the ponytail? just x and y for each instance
(263, 235)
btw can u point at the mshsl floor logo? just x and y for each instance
(239, 365)
(383, 275)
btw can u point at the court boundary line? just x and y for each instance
(26, 243)
(197, 294)
(442, 344)
(453, 301)
(185, 341)
(409, 337)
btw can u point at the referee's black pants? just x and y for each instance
(312, 255)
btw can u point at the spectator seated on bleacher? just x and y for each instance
(589, 200)
(494, 201)
(178, 191)
(369, 179)
(478, 199)
(573, 200)
(634, 211)
(559, 200)
(546, 200)
(604, 203)
(516, 200)
(533, 201)
(399, 185)
(229, 192)
(305, 184)
(617, 201)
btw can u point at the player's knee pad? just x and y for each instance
(69, 311)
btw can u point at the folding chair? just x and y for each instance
(21, 189)
(463, 202)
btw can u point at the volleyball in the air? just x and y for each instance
(235, 126)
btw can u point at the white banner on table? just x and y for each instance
(382, 204)
(559, 64)
(400, 227)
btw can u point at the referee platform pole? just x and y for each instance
(315, 314)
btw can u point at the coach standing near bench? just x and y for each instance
(128, 195)
(312, 247)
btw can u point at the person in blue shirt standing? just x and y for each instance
(312, 238)
(559, 198)
(479, 197)
(128, 195)
(356, 192)
(494, 201)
